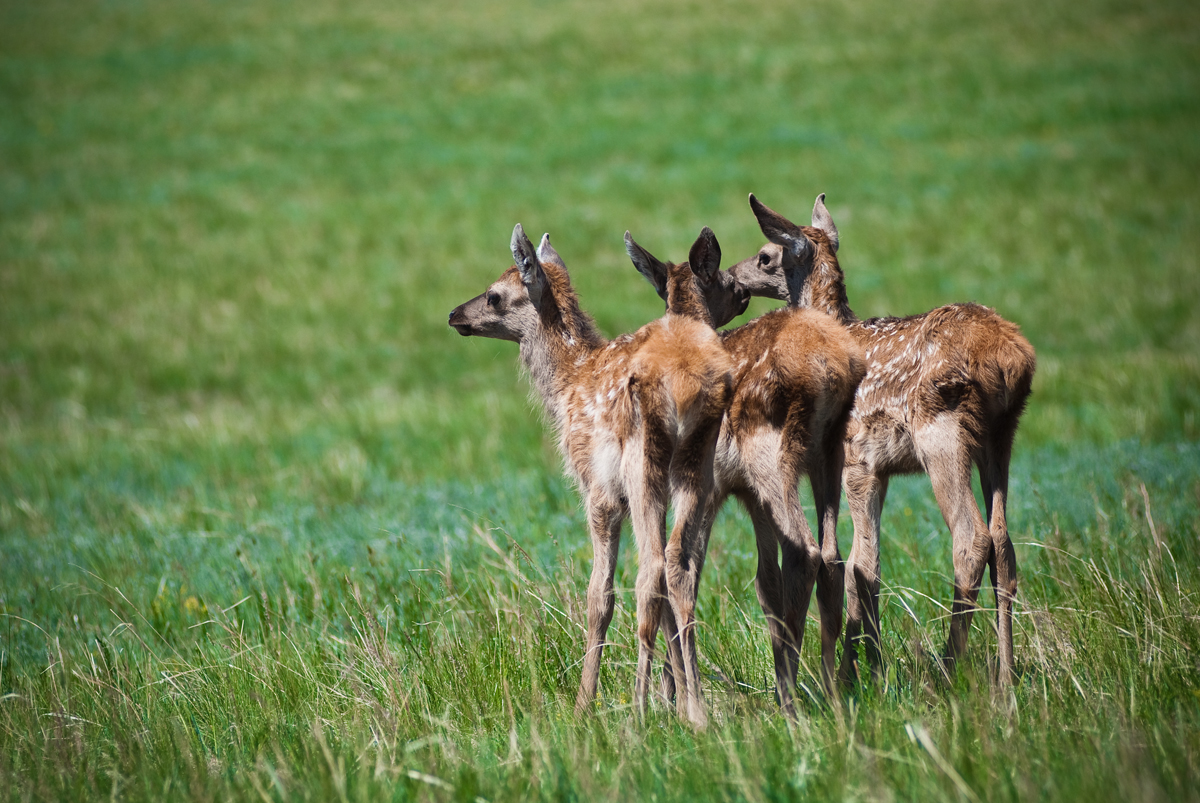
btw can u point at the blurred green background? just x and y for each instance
(230, 236)
(251, 220)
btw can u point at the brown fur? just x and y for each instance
(637, 420)
(795, 373)
(942, 390)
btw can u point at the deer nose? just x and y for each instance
(742, 295)
(458, 320)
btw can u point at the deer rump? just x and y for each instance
(649, 393)
(796, 371)
(962, 359)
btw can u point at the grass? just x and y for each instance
(269, 529)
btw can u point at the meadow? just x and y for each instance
(270, 530)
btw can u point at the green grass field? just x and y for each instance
(270, 530)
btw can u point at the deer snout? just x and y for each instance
(741, 297)
(458, 320)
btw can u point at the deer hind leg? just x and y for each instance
(768, 584)
(692, 499)
(825, 475)
(647, 507)
(865, 494)
(604, 523)
(674, 678)
(948, 461)
(993, 476)
(800, 561)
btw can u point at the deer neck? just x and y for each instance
(684, 296)
(554, 353)
(825, 288)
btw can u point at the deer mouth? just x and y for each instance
(458, 321)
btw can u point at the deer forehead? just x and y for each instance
(509, 284)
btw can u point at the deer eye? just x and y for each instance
(492, 298)
(764, 260)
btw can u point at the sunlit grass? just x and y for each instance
(354, 633)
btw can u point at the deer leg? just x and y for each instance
(865, 493)
(991, 564)
(992, 570)
(800, 560)
(948, 462)
(647, 509)
(673, 678)
(604, 523)
(993, 476)
(692, 497)
(825, 475)
(768, 584)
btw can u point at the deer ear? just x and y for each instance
(705, 256)
(779, 230)
(648, 265)
(546, 253)
(822, 220)
(527, 263)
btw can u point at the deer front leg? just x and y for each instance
(673, 678)
(604, 524)
(865, 493)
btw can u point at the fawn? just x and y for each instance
(943, 390)
(794, 377)
(637, 421)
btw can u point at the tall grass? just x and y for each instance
(397, 644)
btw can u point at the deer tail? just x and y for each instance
(1015, 363)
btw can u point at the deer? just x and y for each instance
(794, 378)
(944, 390)
(636, 420)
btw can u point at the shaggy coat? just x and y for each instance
(637, 421)
(943, 390)
(794, 377)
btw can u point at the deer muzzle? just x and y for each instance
(458, 320)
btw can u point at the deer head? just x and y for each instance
(722, 297)
(511, 307)
(783, 268)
